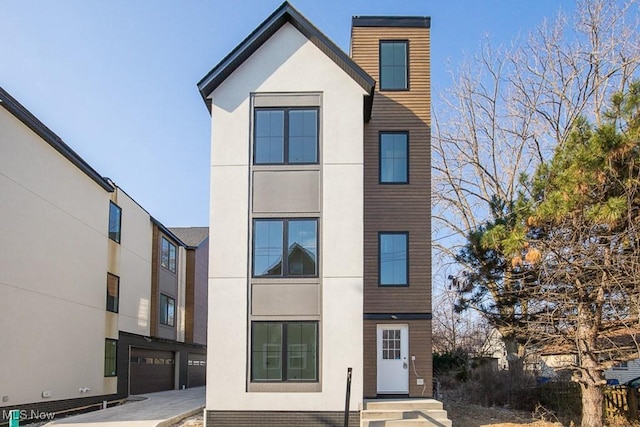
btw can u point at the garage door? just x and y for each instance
(150, 370)
(197, 369)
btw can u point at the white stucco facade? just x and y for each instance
(81, 271)
(286, 63)
(53, 265)
(131, 261)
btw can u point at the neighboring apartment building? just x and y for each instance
(94, 292)
(320, 221)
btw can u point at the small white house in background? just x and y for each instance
(624, 371)
(557, 366)
(493, 347)
(553, 366)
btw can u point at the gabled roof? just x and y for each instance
(285, 13)
(168, 232)
(192, 236)
(29, 120)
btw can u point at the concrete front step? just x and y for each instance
(403, 413)
(406, 423)
(390, 414)
(402, 404)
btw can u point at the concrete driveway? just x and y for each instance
(155, 410)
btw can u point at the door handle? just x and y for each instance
(404, 365)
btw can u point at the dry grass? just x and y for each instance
(195, 421)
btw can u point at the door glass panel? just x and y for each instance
(391, 344)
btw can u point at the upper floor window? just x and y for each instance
(393, 258)
(168, 257)
(115, 218)
(286, 136)
(394, 157)
(394, 65)
(167, 310)
(621, 365)
(113, 292)
(285, 247)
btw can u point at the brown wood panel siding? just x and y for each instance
(398, 207)
(189, 294)
(370, 359)
(201, 289)
(155, 282)
(365, 52)
(419, 346)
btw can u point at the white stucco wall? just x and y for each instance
(133, 265)
(53, 263)
(287, 62)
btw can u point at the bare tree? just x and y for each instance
(454, 331)
(507, 111)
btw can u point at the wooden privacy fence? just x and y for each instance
(621, 400)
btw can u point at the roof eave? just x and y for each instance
(285, 13)
(391, 21)
(168, 232)
(40, 129)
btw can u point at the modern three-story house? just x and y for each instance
(320, 221)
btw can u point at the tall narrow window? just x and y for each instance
(113, 292)
(284, 351)
(167, 310)
(394, 157)
(302, 254)
(269, 136)
(303, 136)
(393, 259)
(168, 255)
(110, 357)
(267, 248)
(115, 217)
(286, 136)
(285, 247)
(302, 342)
(394, 65)
(266, 350)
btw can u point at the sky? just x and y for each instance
(116, 79)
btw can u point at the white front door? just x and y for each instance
(393, 359)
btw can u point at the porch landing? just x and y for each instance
(403, 413)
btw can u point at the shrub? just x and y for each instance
(450, 361)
